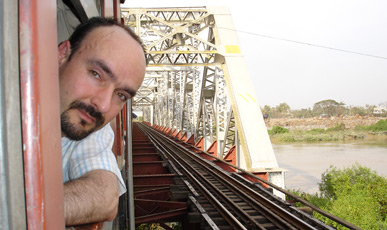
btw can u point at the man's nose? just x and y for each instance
(103, 99)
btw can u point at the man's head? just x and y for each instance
(100, 68)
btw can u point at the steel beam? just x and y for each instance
(39, 84)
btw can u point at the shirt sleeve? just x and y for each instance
(94, 152)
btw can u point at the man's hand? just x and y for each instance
(91, 198)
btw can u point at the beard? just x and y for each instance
(79, 131)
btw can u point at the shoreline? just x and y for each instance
(315, 130)
(332, 137)
(350, 122)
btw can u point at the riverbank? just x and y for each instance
(288, 130)
(308, 148)
(350, 122)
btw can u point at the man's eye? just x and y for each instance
(122, 97)
(95, 74)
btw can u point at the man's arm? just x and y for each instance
(91, 198)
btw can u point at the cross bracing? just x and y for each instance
(197, 81)
(174, 36)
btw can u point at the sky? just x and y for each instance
(301, 52)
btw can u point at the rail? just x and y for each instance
(238, 202)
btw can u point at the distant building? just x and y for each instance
(380, 109)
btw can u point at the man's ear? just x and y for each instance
(64, 50)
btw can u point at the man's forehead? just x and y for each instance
(105, 32)
(118, 52)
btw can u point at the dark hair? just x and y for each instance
(83, 29)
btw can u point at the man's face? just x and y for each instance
(106, 71)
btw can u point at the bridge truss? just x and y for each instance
(197, 83)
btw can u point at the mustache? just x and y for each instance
(89, 109)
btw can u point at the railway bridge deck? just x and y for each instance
(177, 182)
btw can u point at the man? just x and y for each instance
(101, 66)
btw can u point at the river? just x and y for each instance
(305, 162)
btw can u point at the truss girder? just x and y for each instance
(197, 81)
(174, 36)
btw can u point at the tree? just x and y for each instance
(329, 107)
(267, 110)
(303, 113)
(357, 110)
(282, 109)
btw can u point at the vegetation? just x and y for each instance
(380, 126)
(357, 195)
(278, 130)
(337, 133)
(329, 108)
(322, 108)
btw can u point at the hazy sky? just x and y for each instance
(272, 36)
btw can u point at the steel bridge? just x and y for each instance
(197, 84)
(202, 156)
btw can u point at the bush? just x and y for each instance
(345, 179)
(338, 127)
(357, 208)
(278, 130)
(357, 195)
(315, 199)
(380, 126)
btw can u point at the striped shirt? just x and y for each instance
(91, 153)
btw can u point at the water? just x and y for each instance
(305, 163)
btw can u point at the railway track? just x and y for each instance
(227, 200)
